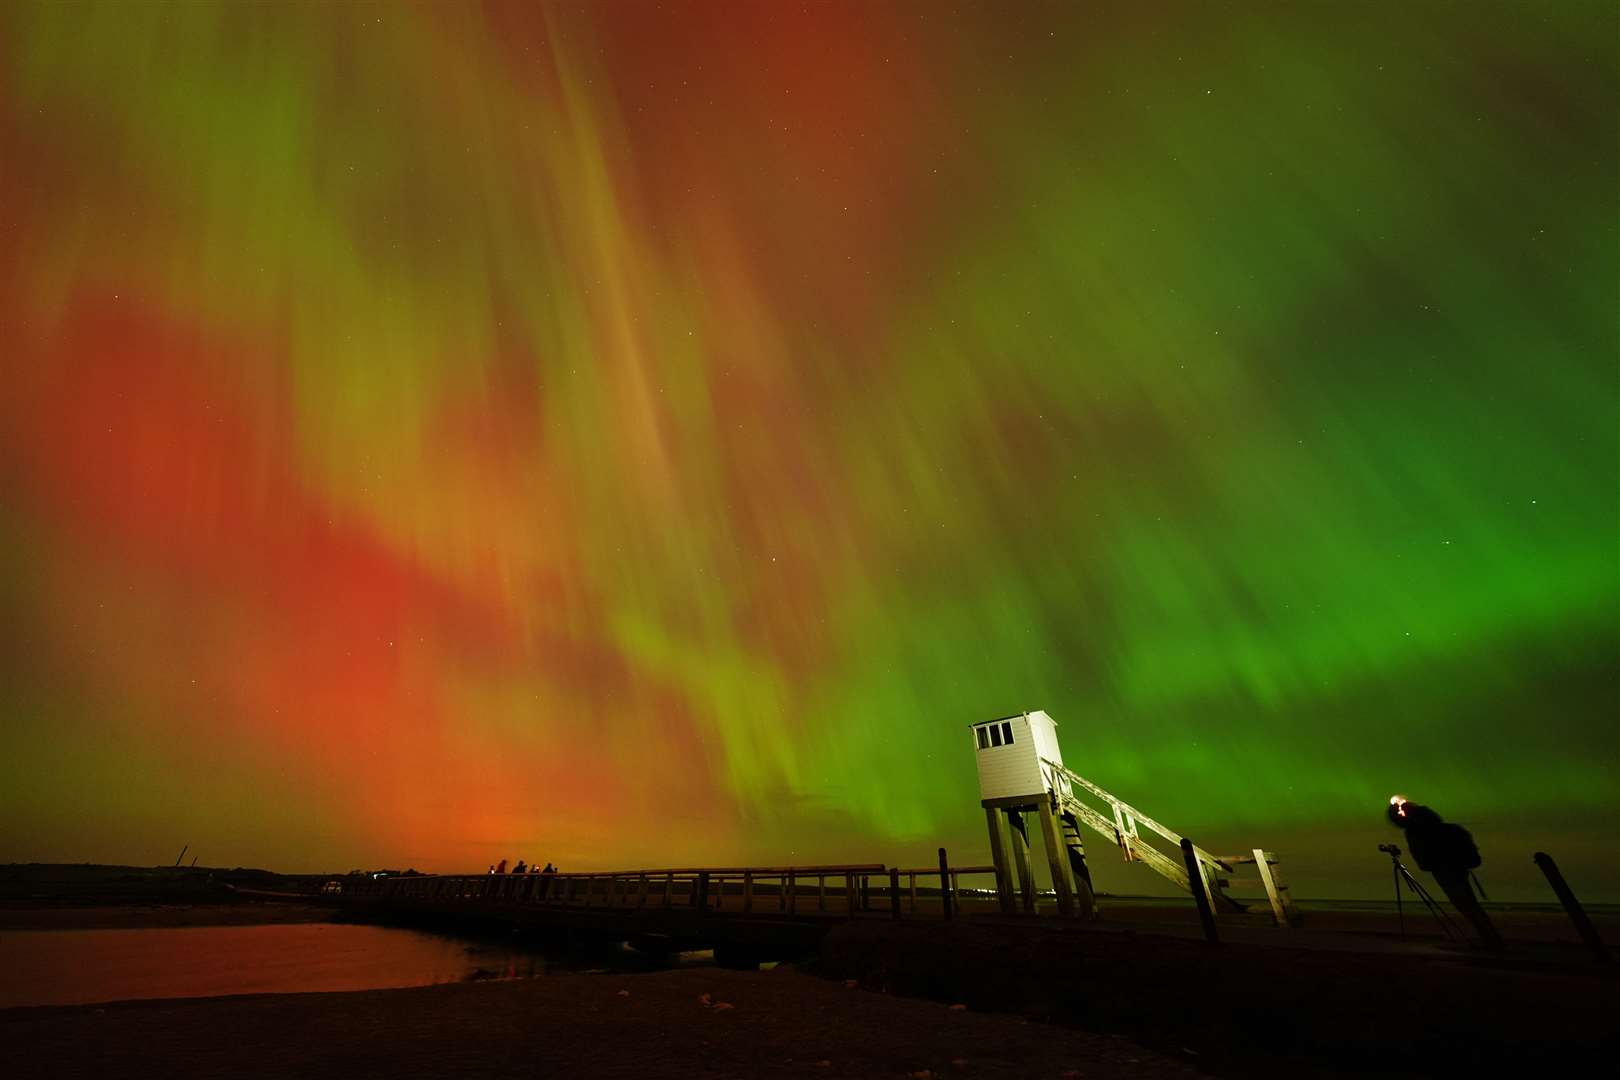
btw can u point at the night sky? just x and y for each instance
(636, 434)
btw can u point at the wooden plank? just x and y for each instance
(748, 892)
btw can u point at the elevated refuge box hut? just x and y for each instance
(1010, 751)
(1021, 770)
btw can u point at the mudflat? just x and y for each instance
(686, 1023)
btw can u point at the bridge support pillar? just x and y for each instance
(998, 856)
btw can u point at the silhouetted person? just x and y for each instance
(1448, 852)
(501, 867)
(521, 867)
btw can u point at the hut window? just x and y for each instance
(995, 735)
(984, 737)
(1006, 732)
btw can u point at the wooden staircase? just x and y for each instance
(1122, 823)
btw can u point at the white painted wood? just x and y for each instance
(1011, 771)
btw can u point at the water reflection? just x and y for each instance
(70, 967)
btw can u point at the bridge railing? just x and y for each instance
(947, 898)
(756, 890)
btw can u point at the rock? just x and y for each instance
(958, 1008)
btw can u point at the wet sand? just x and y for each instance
(778, 1023)
(164, 916)
(1348, 996)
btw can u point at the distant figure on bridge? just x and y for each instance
(1448, 852)
(501, 868)
(521, 867)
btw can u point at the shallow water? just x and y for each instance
(72, 967)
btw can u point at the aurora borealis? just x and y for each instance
(629, 434)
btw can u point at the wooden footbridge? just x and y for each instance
(745, 914)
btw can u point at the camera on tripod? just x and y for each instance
(1403, 876)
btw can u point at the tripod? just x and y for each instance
(1400, 873)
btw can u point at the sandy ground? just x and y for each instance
(692, 1023)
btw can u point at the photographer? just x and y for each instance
(1447, 851)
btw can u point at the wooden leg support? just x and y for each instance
(1019, 835)
(1057, 860)
(998, 856)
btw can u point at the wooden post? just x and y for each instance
(781, 892)
(1018, 834)
(894, 892)
(792, 893)
(1572, 906)
(849, 892)
(1262, 863)
(1057, 860)
(700, 895)
(1200, 890)
(821, 892)
(669, 888)
(912, 880)
(998, 856)
(748, 892)
(641, 891)
(945, 886)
